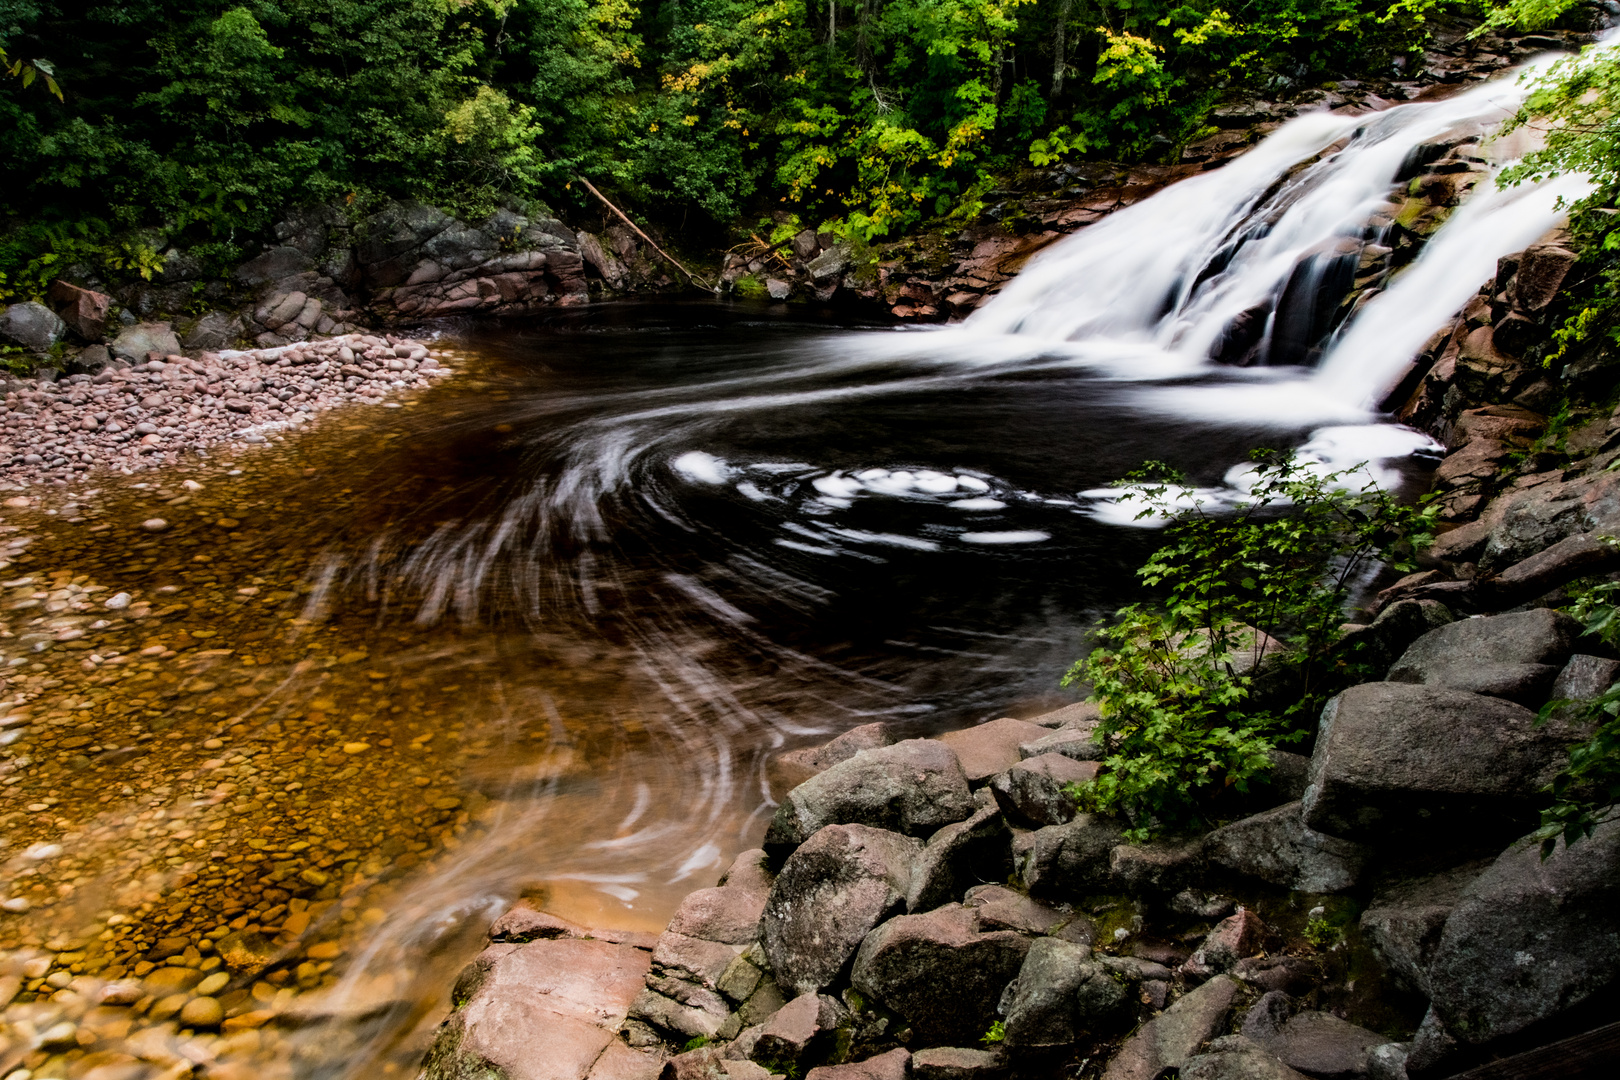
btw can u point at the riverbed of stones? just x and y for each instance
(940, 908)
(171, 407)
(207, 798)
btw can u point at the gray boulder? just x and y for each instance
(1161, 869)
(1033, 791)
(1062, 994)
(1277, 847)
(1322, 1045)
(33, 326)
(1077, 740)
(1529, 940)
(1514, 656)
(959, 856)
(832, 892)
(1079, 714)
(1381, 642)
(142, 338)
(913, 787)
(1169, 1040)
(1393, 757)
(1582, 679)
(1405, 918)
(1072, 858)
(939, 972)
(215, 330)
(1237, 1058)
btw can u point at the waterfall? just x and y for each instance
(1252, 264)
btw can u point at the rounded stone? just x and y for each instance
(202, 1012)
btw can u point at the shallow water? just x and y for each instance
(538, 632)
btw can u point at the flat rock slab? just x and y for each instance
(1395, 756)
(1171, 1038)
(957, 1063)
(546, 1010)
(1081, 712)
(1324, 1046)
(1237, 1058)
(991, 748)
(1077, 741)
(894, 1065)
(1000, 908)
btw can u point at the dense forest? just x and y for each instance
(131, 126)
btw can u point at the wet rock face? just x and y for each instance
(1394, 757)
(913, 787)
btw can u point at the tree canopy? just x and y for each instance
(197, 122)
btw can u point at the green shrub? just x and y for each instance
(1233, 657)
(1587, 792)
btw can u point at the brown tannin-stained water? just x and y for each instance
(537, 632)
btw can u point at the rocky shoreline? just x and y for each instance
(938, 907)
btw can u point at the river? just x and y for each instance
(540, 631)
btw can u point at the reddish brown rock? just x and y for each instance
(546, 1010)
(84, 310)
(990, 748)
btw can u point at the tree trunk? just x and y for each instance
(832, 22)
(1060, 48)
(998, 62)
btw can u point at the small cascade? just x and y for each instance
(1308, 252)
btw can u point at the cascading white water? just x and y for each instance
(1154, 289)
